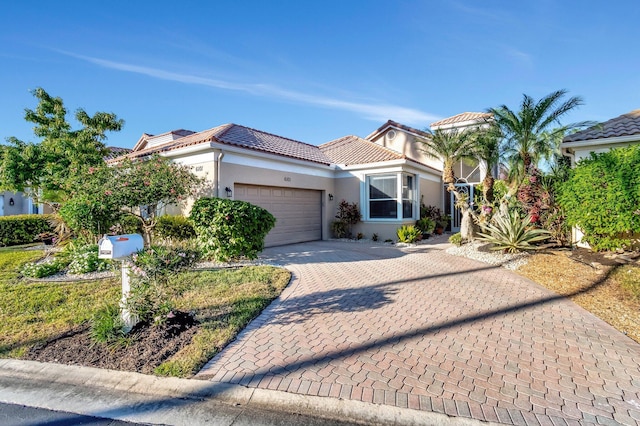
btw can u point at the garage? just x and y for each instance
(298, 212)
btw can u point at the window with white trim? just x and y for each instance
(391, 196)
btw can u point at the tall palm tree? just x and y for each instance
(486, 148)
(449, 146)
(528, 132)
(452, 146)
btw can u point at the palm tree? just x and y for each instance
(486, 148)
(449, 146)
(452, 146)
(528, 133)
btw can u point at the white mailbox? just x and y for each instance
(119, 246)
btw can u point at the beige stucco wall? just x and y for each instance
(349, 186)
(236, 168)
(406, 143)
(239, 168)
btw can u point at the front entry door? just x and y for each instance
(453, 211)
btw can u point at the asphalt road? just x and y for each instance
(19, 415)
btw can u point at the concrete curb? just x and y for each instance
(142, 398)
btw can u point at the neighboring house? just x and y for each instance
(618, 132)
(13, 203)
(302, 184)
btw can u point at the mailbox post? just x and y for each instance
(117, 247)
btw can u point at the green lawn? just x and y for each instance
(224, 301)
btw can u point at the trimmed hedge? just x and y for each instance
(602, 198)
(22, 229)
(229, 229)
(174, 228)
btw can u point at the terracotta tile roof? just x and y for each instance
(262, 141)
(115, 152)
(625, 125)
(462, 117)
(391, 123)
(245, 137)
(142, 142)
(354, 150)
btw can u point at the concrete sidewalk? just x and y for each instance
(146, 399)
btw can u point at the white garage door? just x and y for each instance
(298, 212)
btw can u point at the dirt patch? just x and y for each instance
(588, 279)
(149, 346)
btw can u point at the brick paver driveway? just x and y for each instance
(420, 329)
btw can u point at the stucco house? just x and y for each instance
(618, 132)
(13, 203)
(302, 184)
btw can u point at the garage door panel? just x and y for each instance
(298, 212)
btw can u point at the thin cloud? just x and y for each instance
(519, 56)
(371, 111)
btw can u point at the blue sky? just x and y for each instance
(312, 70)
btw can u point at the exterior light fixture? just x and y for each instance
(330, 197)
(11, 202)
(228, 191)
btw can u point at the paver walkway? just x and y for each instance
(420, 329)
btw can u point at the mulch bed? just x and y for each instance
(150, 346)
(585, 278)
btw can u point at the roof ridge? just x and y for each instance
(273, 134)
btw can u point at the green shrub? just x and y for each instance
(23, 229)
(230, 229)
(43, 269)
(88, 218)
(456, 239)
(339, 229)
(602, 197)
(408, 234)
(426, 225)
(174, 228)
(511, 233)
(127, 224)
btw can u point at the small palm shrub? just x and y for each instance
(512, 233)
(456, 239)
(107, 325)
(408, 234)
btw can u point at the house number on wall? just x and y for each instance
(198, 168)
(287, 179)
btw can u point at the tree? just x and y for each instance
(528, 133)
(143, 187)
(486, 148)
(452, 146)
(42, 170)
